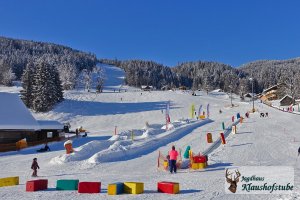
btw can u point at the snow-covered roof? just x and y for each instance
(217, 90)
(50, 125)
(273, 86)
(146, 86)
(250, 94)
(14, 115)
(285, 97)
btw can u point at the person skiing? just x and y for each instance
(173, 157)
(34, 167)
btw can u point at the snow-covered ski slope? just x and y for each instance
(108, 158)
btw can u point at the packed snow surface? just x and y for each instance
(126, 130)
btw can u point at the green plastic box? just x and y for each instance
(67, 184)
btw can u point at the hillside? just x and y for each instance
(271, 72)
(16, 54)
(213, 75)
(105, 157)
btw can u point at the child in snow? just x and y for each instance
(173, 157)
(34, 167)
(46, 148)
(169, 163)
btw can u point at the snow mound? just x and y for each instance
(170, 127)
(124, 150)
(120, 145)
(81, 153)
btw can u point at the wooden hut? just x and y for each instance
(286, 100)
(17, 123)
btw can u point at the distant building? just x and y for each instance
(274, 92)
(166, 87)
(16, 123)
(182, 88)
(248, 95)
(286, 100)
(146, 87)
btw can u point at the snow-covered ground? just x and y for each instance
(105, 157)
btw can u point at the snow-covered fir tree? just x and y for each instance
(99, 73)
(87, 79)
(27, 84)
(57, 89)
(6, 73)
(47, 90)
(68, 74)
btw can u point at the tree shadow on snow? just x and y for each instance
(92, 108)
(67, 174)
(243, 132)
(237, 145)
(150, 191)
(217, 167)
(189, 191)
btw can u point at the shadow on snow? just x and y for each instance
(92, 108)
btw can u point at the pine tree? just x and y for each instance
(6, 75)
(27, 84)
(47, 90)
(42, 98)
(58, 90)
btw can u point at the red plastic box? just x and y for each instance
(89, 187)
(36, 185)
(168, 187)
(199, 159)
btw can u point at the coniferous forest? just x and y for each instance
(212, 75)
(46, 69)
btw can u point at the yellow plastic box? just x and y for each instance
(9, 181)
(133, 187)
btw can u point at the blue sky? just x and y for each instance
(166, 31)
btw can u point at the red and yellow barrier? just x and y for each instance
(168, 187)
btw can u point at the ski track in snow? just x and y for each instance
(271, 141)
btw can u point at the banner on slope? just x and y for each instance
(192, 111)
(222, 138)
(199, 111)
(291, 108)
(207, 111)
(168, 120)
